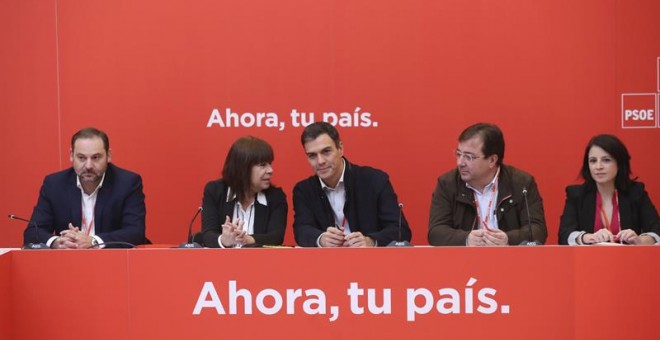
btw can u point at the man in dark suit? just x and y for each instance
(343, 205)
(90, 204)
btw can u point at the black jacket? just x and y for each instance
(635, 210)
(269, 220)
(371, 207)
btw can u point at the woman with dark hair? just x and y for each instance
(243, 208)
(609, 206)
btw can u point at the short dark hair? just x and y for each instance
(314, 130)
(492, 137)
(615, 148)
(91, 132)
(245, 153)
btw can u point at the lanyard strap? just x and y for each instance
(87, 228)
(607, 223)
(490, 206)
(342, 227)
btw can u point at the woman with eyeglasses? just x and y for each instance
(243, 208)
(609, 206)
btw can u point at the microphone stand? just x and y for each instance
(400, 242)
(531, 241)
(190, 243)
(31, 246)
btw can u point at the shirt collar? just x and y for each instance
(261, 197)
(489, 185)
(79, 185)
(341, 179)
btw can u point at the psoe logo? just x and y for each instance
(639, 110)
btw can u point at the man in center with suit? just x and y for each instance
(90, 204)
(343, 204)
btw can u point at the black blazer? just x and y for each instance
(269, 220)
(371, 207)
(119, 214)
(635, 210)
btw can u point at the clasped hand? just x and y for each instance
(487, 237)
(334, 237)
(72, 238)
(233, 233)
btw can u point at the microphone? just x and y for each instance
(118, 243)
(190, 243)
(531, 241)
(38, 245)
(400, 243)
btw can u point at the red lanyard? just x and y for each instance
(341, 227)
(611, 226)
(87, 228)
(490, 206)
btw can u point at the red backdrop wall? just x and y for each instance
(150, 73)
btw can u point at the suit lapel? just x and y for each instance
(101, 198)
(226, 207)
(625, 212)
(463, 193)
(260, 218)
(349, 188)
(103, 195)
(75, 196)
(588, 211)
(325, 208)
(504, 190)
(505, 185)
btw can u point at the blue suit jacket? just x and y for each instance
(119, 214)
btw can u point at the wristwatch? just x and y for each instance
(95, 242)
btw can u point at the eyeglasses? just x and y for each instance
(468, 157)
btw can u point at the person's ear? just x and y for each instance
(492, 160)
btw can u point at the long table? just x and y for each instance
(548, 292)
